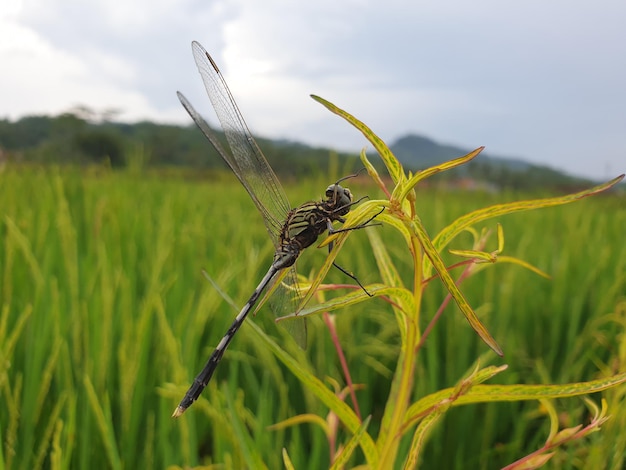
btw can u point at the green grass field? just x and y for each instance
(105, 318)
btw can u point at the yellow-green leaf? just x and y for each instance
(311, 383)
(448, 233)
(447, 280)
(342, 459)
(496, 393)
(390, 161)
(401, 192)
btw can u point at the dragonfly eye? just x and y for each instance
(347, 197)
(339, 197)
(337, 193)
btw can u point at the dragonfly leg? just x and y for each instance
(367, 223)
(332, 230)
(352, 276)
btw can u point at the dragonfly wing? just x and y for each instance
(285, 300)
(246, 161)
(270, 218)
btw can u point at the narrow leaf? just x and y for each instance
(419, 437)
(344, 413)
(447, 280)
(393, 165)
(448, 233)
(419, 176)
(342, 459)
(496, 393)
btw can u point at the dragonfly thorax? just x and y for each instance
(306, 223)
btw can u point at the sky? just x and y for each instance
(540, 80)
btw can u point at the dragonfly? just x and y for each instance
(291, 230)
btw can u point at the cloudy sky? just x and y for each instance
(544, 80)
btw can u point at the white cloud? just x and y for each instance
(531, 79)
(51, 80)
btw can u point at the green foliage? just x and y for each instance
(73, 139)
(99, 146)
(81, 136)
(105, 318)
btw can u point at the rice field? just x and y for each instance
(105, 318)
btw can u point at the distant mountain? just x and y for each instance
(70, 138)
(418, 152)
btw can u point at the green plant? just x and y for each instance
(105, 317)
(403, 415)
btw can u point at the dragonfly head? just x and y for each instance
(339, 199)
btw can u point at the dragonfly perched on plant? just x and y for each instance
(291, 230)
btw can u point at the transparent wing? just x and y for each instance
(250, 167)
(285, 300)
(246, 161)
